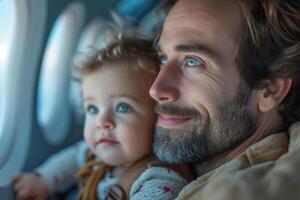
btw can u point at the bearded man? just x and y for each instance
(227, 92)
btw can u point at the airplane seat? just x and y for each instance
(151, 23)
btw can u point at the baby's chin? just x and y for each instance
(111, 159)
(116, 156)
(117, 162)
(120, 161)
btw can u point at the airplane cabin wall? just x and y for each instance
(39, 148)
(36, 156)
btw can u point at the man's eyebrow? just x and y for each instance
(192, 48)
(197, 48)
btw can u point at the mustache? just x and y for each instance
(171, 109)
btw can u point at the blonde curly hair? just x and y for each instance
(136, 55)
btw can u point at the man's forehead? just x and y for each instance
(207, 9)
(190, 8)
(197, 15)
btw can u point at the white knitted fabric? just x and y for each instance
(157, 183)
(154, 183)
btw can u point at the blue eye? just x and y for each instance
(123, 108)
(163, 60)
(193, 62)
(91, 109)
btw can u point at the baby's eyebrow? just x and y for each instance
(126, 96)
(88, 98)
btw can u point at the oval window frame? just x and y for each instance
(31, 20)
(53, 111)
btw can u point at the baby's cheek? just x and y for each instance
(89, 141)
(138, 148)
(144, 146)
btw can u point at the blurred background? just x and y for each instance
(40, 108)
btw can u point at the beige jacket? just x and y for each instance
(269, 169)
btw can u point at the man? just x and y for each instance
(227, 91)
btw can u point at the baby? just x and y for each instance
(116, 160)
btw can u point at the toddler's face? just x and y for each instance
(119, 112)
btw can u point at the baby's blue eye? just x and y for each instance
(193, 62)
(91, 109)
(163, 60)
(123, 108)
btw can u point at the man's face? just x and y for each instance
(202, 102)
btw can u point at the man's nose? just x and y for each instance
(165, 87)
(105, 122)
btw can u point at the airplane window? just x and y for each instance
(22, 24)
(54, 113)
(7, 20)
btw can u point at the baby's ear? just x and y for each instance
(273, 93)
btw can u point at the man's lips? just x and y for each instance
(171, 121)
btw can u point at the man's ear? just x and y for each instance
(273, 93)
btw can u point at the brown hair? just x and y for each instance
(136, 55)
(167, 5)
(270, 48)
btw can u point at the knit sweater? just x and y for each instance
(154, 183)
